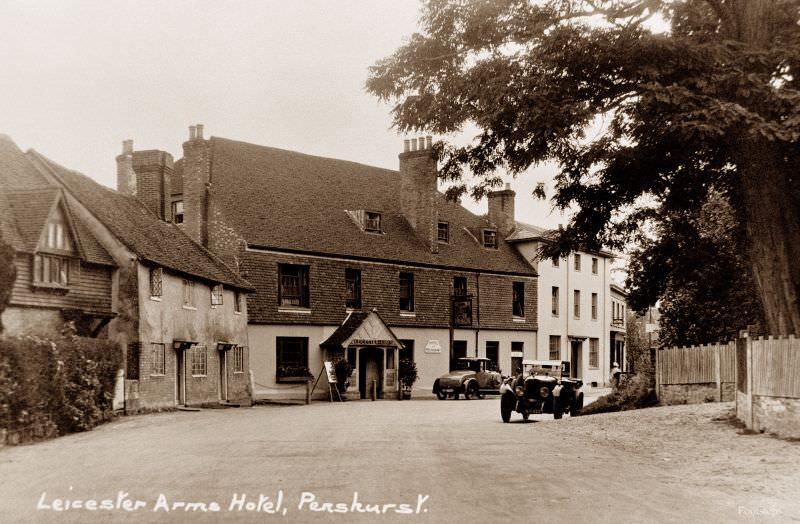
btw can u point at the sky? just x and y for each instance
(79, 77)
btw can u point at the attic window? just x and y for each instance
(177, 212)
(490, 238)
(372, 221)
(443, 232)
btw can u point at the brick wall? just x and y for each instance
(153, 180)
(380, 289)
(671, 394)
(777, 415)
(196, 172)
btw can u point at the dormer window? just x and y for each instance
(372, 222)
(443, 232)
(490, 238)
(177, 212)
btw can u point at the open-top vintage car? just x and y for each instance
(543, 386)
(472, 377)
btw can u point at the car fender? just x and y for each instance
(557, 390)
(436, 386)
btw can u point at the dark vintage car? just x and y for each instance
(543, 386)
(472, 377)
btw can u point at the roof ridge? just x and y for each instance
(290, 151)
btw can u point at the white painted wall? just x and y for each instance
(565, 324)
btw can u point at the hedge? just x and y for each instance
(58, 386)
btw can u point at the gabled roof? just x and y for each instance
(151, 239)
(26, 200)
(528, 232)
(278, 199)
(365, 324)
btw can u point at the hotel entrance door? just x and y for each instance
(370, 369)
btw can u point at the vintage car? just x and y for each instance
(472, 377)
(543, 386)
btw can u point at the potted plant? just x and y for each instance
(407, 374)
(293, 373)
(342, 369)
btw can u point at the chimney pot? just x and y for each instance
(508, 185)
(406, 145)
(192, 132)
(199, 131)
(127, 147)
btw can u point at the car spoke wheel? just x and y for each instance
(577, 406)
(505, 411)
(558, 409)
(441, 395)
(526, 416)
(471, 391)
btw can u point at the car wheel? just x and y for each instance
(455, 396)
(441, 395)
(577, 406)
(471, 391)
(526, 416)
(505, 411)
(558, 409)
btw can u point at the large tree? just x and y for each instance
(640, 123)
(693, 267)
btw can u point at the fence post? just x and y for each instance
(717, 370)
(749, 352)
(658, 376)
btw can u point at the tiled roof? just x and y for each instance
(26, 200)
(348, 327)
(286, 200)
(153, 240)
(525, 232)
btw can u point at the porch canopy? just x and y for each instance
(362, 329)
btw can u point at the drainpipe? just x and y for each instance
(478, 315)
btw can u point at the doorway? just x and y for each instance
(180, 377)
(223, 375)
(576, 347)
(370, 369)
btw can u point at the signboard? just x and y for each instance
(330, 372)
(371, 342)
(433, 346)
(462, 311)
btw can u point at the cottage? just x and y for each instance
(110, 261)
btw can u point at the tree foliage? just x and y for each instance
(697, 274)
(8, 274)
(640, 124)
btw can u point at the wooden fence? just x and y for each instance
(711, 365)
(775, 367)
(761, 374)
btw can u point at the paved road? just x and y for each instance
(449, 461)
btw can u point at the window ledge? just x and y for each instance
(199, 376)
(190, 308)
(292, 380)
(51, 287)
(301, 311)
(518, 319)
(155, 299)
(238, 372)
(351, 309)
(157, 375)
(408, 314)
(237, 313)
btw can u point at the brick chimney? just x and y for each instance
(418, 177)
(501, 210)
(126, 177)
(147, 176)
(153, 170)
(196, 184)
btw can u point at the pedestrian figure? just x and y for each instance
(615, 374)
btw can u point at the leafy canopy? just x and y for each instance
(536, 77)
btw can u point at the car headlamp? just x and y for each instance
(544, 391)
